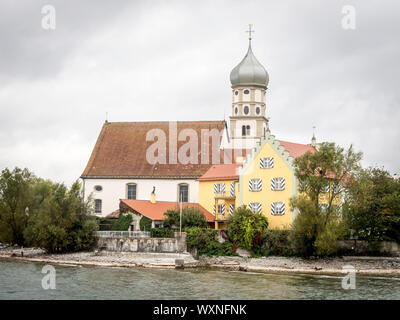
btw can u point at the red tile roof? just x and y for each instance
(297, 149)
(114, 214)
(120, 151)
(221, 172)
(155, 211)
(230, 171)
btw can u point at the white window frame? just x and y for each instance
(278, 208)
(278, 184)
(267, 163)
(255, 184)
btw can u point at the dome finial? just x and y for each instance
(250, 31)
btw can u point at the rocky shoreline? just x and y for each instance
(382, 266)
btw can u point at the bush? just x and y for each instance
(247, 229)
(206, 242)
(106, 224)
(123, 222)
(277, 243)
(161, 233)
(145, 224)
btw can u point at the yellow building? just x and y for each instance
(218, 191)
(264, 182)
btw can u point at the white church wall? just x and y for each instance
(115, 189)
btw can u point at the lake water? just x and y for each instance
(19, 280)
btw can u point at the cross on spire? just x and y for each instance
(250, 31)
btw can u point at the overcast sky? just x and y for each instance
(171, 60)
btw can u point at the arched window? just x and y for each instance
(247, 130)
(131, 190)
(183, 191)
(243, 131)
(246, 110)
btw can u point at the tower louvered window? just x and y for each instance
(267, 163)
(277, 208)
(219, 188)
(255, 184)
(255, 207)
(278, 183)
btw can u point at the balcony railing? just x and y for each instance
(224, 196)
(123, 234)
(222, 217)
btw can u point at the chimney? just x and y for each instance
(153, 196)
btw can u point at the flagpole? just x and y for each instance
(180, 216)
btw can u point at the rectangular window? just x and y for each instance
(267, 163)
(221, 209)
(255, 184)
(183, 193)
(219, 188)
(277, 183)
(131, 191)
(97, 205)
(277, 208)
(231, 209)
(255, 207)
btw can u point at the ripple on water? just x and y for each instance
(23, 281)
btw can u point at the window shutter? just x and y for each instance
(214, 208)
(255, 184)
(255, 207)
(277, 208)
(231, 208)
(232, 189)
(277, 183)
(267, 163)
(250, 185)
(215, 187)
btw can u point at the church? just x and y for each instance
(214, 165)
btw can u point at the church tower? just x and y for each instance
(249, 81)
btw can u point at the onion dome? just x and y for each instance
(249, 72)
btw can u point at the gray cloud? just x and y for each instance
(158, 60)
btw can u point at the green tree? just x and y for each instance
(63, 222)
(318, 224)
(123, 222)
(16, 195)
(372, 206)
(191, 217)
(145, 224)
(247, 229)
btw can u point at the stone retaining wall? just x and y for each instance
(160, 245)
(361, 247)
